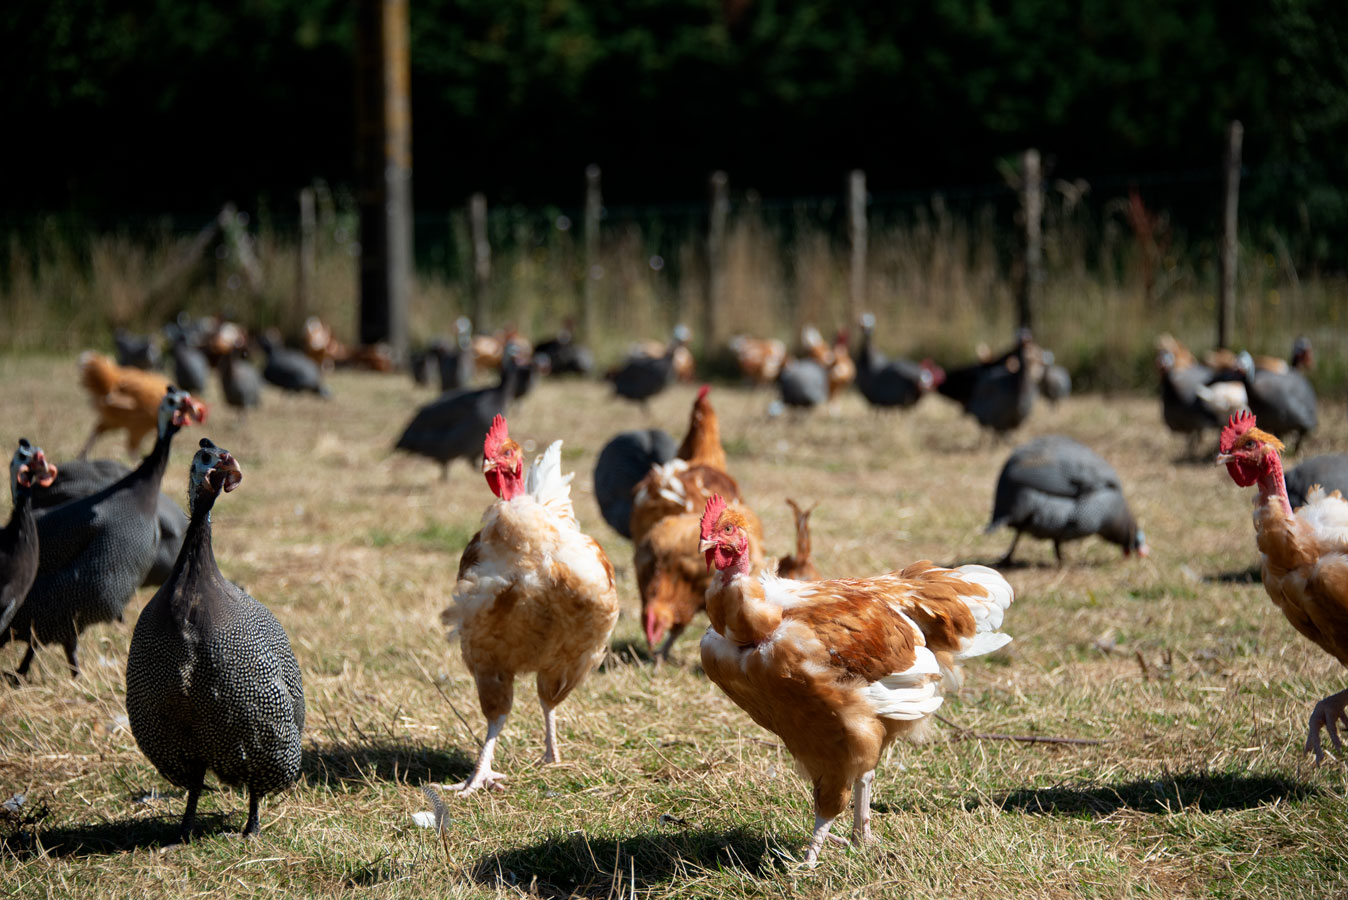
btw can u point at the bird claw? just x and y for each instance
(1328, 714)
(487, 780)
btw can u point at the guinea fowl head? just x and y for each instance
(214, 470)
(1137, 544)
(1302, 356)
(502, 461)
(179, 408)
(30, 467)
(1248, 453)
(725, 539)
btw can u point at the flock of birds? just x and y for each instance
(838, 669)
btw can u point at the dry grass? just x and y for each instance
(668, 790)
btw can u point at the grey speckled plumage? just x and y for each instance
(19, 538)
(211, 680)
(889, 383)
(81, 478)
(453, 426)
(94, 552)
(1330, 471)
(1054, 487)
(803, 384)
(622, 463)
(239, 380)
(1283, 402)
(290, 369)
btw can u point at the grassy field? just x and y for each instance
(1194, 683)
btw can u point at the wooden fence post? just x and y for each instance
(1032, 211)
(477, 229)
(716, 231)
(856, 220)
(594, 208)
(1226, 300)
(384, 141)
(305, 273)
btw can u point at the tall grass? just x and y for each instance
(939, 280)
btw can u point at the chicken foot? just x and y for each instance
(483, 775)
(1328, 714)
(550, 752)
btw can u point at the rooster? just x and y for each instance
(124, 397)
(1304, 557)
(839, 669)
(760, 359)
(665, 527)
(534, 594)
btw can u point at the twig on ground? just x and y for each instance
(970, 734)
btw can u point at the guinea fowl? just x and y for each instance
(642, 377)
(211, 680)
(136, 350)
(18, 539)
(454, 363)
(290, 369)
(1056, 488)
(803, 384)
(1330, 471)
(1183, 411)
(1283, 402)
(95, 551)
(623, 463)
(191, 369)
(565, 356)
(892, 384)
(1000, 393)
(452, 426)
(239, 380)
(1055, 383)
(80, 478)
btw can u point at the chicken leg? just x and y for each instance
(861, 809)
(1328, 714)
(483, 775)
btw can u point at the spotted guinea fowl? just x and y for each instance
(1330, 471)
(94, 552)
(565, 356)
(290, 369)
(891, 383)
(1055, 382)
(623, 463)
(211, 680)
(1283, 402)
(140, 351)
(239, 381)
(191, 369)
(18, 539)
(1056, 488)
(641, 377)
(452, 426)
(1000, 393)
(803, 384)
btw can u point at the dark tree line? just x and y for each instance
(177, 105)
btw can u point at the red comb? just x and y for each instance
(1237, 425)
(715, 506)
(703, 391)
(496, 436)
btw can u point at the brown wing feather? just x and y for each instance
(863, 634)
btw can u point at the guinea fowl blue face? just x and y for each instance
(179, 408)
(30, 467)
(214, 470)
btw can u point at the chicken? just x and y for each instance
(799, 566)
(841, 370)
(123, 397)
(839, 669)
(760, 359)
(665, 528)
(534, 594)
(1303, 557)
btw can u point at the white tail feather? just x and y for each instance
(546, 483)
(988, 611)
(911, 694)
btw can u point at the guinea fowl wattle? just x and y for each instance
(19, 538)
(211, 680)
(94, 552)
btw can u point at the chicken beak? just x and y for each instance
(705, 545)
(488, 465)
(1224, 458)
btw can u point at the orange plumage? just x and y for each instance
(1304, 556)
(760, 359)
(798, 565)
(839, 669)
(671, 575)
(124, 398)
(533, 594)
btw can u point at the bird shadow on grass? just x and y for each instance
(627, 652)
(121, 836)
(1252, 575)
(332, 764)
(574, 865)
(1203, 792)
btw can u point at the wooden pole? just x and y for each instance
(1032, 211)
(477, 227)
(856, 219)
(384, 142)
(304, 275)
(594, 209)
(716, 231)
(1226, 301)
